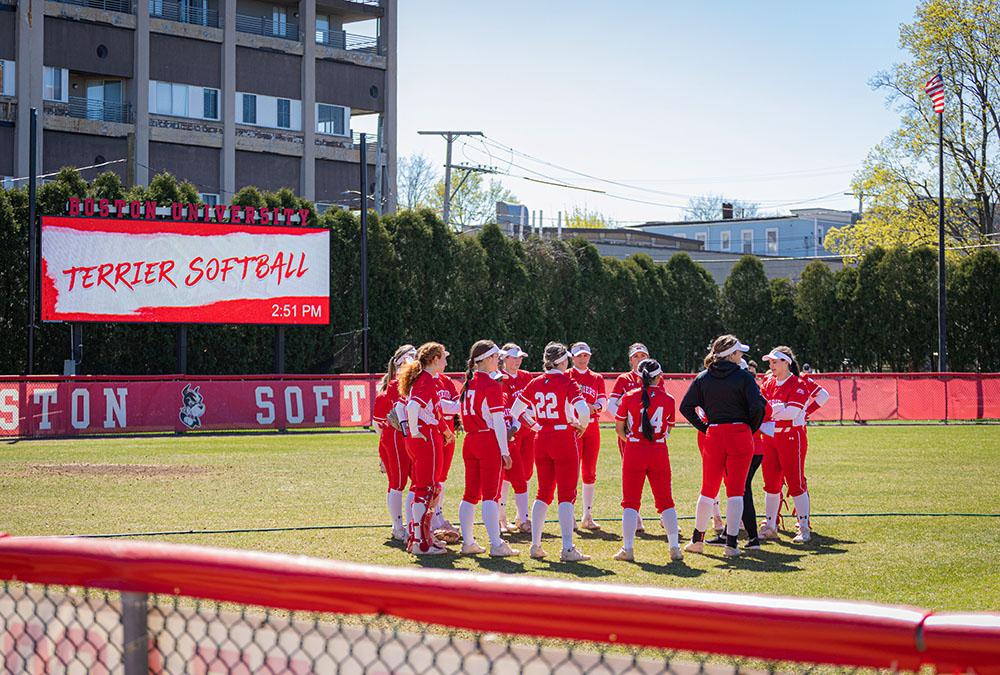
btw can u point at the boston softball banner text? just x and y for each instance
(153, 271)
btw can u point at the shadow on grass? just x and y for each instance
(819, 544)
(576, 569)
(511, 565)
(677, 568)
(597, 535)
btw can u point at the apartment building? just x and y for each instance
(224, 93)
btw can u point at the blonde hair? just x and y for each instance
(390, 370)
(719, 345)
(426, 354)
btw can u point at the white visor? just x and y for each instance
(778, 356)
(514, 353)
(656, 373)
(487, 354)
(738, 347)
(636, 349)
(562, 358)
(406, 358)
(581, 348)
(744, 365)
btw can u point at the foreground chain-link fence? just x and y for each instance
(83, 606)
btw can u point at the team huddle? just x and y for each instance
(518, 425)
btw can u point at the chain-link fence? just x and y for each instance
(245, 612)
(70, 630)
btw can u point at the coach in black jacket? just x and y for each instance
(733, 409)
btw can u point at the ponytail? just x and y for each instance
(394, 365)
(408, 374)
(476, 354)
(646, 425)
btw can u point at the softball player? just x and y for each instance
(592, 386)
(391, 444)
(522, 445)
(484, 450)
(561, 416)
(643, 423)
(626, 382)
(424, 442)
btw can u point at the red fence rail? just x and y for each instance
(813, 631)
(75, 406)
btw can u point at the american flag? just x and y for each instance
(935, 89)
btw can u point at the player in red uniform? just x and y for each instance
(522, 444)
(391, 444)
(425, 441)
(643, 422)
(448, 391)
(484, 450)
(734, 409)
(560, 415)
(592, 387)
(625, 383)
(791, 399)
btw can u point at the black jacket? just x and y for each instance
(728, 394)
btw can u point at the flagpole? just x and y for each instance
(942, 304)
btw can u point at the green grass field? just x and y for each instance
(249, 481)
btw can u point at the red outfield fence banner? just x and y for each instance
(98, 269)
(159, 622)
(74, 406)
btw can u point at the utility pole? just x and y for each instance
(861, 200)
(449, 137)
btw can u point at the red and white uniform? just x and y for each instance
(427, 453)
(448, 394)
(643, 458)
(481, 452)
(785, 452)
(391, 443)
(522, 445)
(551, 397)
(592, 387)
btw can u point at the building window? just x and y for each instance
(249, 109)
(819, 236)
(331, 119)
(702, 237)
(284, 113)
(210, 103)
(7, 75)
(772, 241)
(279, 21)
(322, 28)
(746, 237)
(54, 81)
(727, 241)
(210, 198)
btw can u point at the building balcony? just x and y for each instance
(183, 12)
(255, 25)
(123, 6)
(338, 39)
(9, 5)
(103, 111)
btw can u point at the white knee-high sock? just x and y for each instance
(395, 502)
(640, 525)
(538, 511)
(703, 513)
(802, 509)
(588, 500)
(408, 512)
(669, 519)
(521, 499)
(466, 521)
(504, 498)
(567, 521)
(491, 517)
(734, 515)
(716, 511)
(772, 502)
(437, 520)
(630, 519)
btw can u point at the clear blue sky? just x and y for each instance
(682, 97)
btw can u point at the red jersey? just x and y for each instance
(626, 382)
(426, 393)
(384, 402)
(448, 391)
(551, 397)
(514, 384)
(591, 386)
(662, 414)
(793, 392)
(483, 397)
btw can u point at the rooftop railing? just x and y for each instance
(172, 10)
(257, 25)
(339, 39)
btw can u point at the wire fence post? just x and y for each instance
(135, 650)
